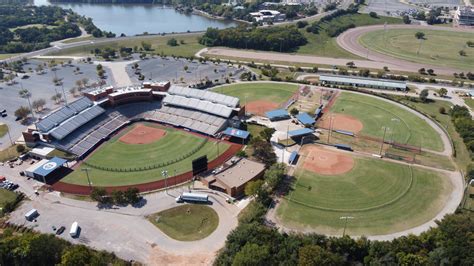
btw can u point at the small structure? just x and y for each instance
(268, 16)
(278, 114)
(363, 82)
(464, 16)
(45, 169)
(236, 133)
(40, 152)
(232, 177)
(293, 158)
(300, 132)
(305, 119)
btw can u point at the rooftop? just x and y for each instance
(241, 172)
(365, 81)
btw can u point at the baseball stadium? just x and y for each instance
(145, 136)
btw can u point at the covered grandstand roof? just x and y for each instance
(209, 96)
(76, 121)
(277, 114)
(62, 114)
(234, 132)
(364, 81)
(200, 105)
(305, 119)
(300, 132)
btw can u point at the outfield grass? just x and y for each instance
(188, 222)
(439, 47)
(6, 196)
(3, 130)
(248, 92)
(159, 45)
(323, 45)
(383, 197)
(404, 127)
(115, 154)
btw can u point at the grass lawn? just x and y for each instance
(469, 102)
(439, 47)
(188, 222)
(247, 92)
(405, 127)
(80, 39)
(323, 45)
(115, 154)
(383, 197)
(3, 130)
(6, 196)
(61, 154)
(6, 56)
(9, 153)
(159, 45)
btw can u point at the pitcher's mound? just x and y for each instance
(259, 107)
(142, 134)
(327, 162)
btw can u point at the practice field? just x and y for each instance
(402, 126)
(117, 163)
(260, 97)
(438, 48)
(188, 222)
(382, 197)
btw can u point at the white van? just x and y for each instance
(31, 215)
(74, 229)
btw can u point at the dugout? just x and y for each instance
(236, 135)
(299, 135)
(277, 115)
(48, 171)
(305, 119)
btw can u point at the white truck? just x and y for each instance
(31, 215)
(193, 197)
(74, 229)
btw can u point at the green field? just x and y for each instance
(187, 222)
(248, 92)
(404, 127)
(3, 130)
(439, 47)
(159, 45)
(469, 102)
(6, 196)
(119, 156)
(382, 197)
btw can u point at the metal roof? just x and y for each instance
(200, 105)
(305, 119)
(203, 95)
(300, 132)
(63, 113)
(293, 156)
(364, 81)
(49, 166)
(234, 132)
(75, 122)
(279, 113)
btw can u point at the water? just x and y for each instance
(132, 19)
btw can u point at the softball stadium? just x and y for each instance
(145, 136)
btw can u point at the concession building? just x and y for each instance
(363, 82)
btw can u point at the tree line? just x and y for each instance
(464, 125)
(284, 39)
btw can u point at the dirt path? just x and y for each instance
(118, 72)
(349, 41)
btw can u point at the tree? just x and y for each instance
(57, 98)
(267, 133)
(315, 255)
(424, 95)
(350, 64)
(420, 35)
(251, 254)
(294, 111)
(186, 68)
(442, 110)
(373, 15)
(22, 112)
(301, 24)
(20, 148)
(442, 92)
(263, 151)
(462, 53)
(274, 176)
(76, 255)
(406, 19)
(252, 187)
(172, 42)
(430, 71)
(38, 104)
(470, 43)
(132, 195)
(422, 71)
(98, 194)
(118, 197)
(73, 91)
(24, 93)
(241, 154)
(146, 46)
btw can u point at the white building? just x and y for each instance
(267, 16)
(464, 16)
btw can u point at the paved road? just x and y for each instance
(349, 41)
(125, 230)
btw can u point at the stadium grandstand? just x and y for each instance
(81, 126)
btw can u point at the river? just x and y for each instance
(132, 19)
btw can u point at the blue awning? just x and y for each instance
(277, 114)
(300, 132)
(292, 158)
(305, 119)
(49, 166)
(233, 132)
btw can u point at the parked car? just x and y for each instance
(60, 230)
(4, 114)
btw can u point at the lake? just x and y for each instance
(132, 19)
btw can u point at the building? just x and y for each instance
(355, 81)
(464, 16)
(278, 114)
(47, 170)
(268, 16)
(232, 177)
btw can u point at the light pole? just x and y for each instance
(9, 136)
(345, 223)
(24, 93)
(87, 174)
(164, 173)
